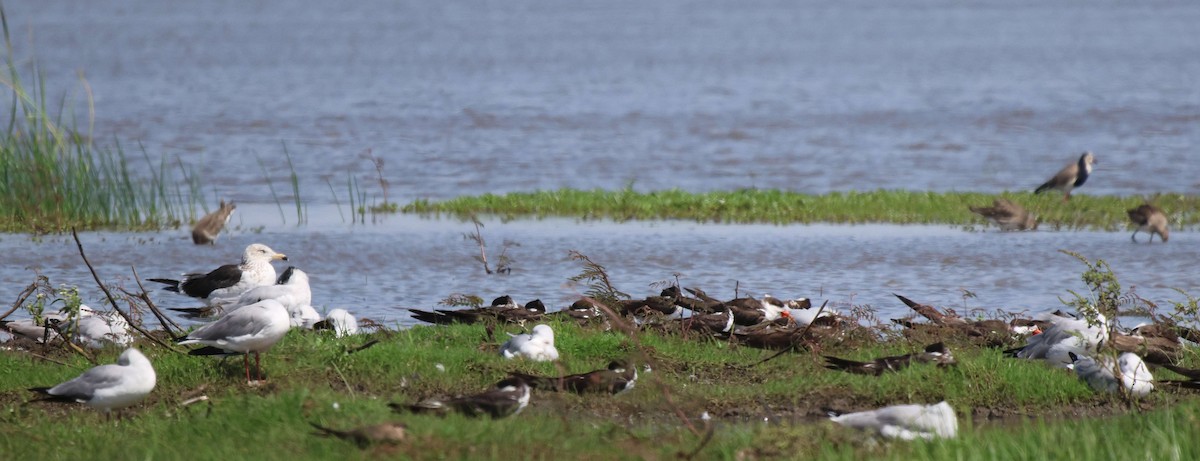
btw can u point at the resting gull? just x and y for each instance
(538, 346)
(1099, 374)
(230, 280)
(340, 321)
(254, 328)
(107, 387)
(905, 422)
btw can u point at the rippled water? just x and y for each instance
(469, 97)
(404, 261)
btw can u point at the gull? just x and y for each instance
(1064, 336)
(340, 321)
(1101, 374)
(508, 397)
(209, 227)
(619, 377)
(230, 280)
(905, 422)
(31, 328)
(107, 387)
(291, 289)
(1070, 177)
(538, 346)
(254, 328)
(1008, 215)
(96, 330)
(1149, 219)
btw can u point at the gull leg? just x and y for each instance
(257, 367)
(1134, 236)
(246, 365)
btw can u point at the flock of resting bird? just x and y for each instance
(254, 309)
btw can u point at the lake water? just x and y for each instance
(470, 97)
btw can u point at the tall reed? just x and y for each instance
(52, 177)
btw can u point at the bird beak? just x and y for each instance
(280, 256)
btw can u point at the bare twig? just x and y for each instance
(21, 299)
(708, 435)
(165, 321)
(478, 238)
(113, 300)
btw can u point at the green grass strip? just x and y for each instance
(780, 207)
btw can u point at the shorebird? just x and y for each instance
(1064, 337)
(503, 309)
(209, 227)
(230, 280)
(619, 377)
(537, 346)
(934, 353)
(508, 397)
(254, 328)
(905, 422)
(1008, 215)
(366, 435)
(107, 387)
(1070, 177)
(1101, 374)
(1150, 219)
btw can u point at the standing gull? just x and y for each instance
(107, 387)
(1149, 219)
(229, 280)
(209, 227)
(254, 328)
(1070, 177)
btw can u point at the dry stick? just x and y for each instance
(112, 300)
(708, 435)
(48, 359)
(795, 340)
(145, 297)
(20, 299)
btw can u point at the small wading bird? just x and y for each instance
(230, 280)
(508, 397)
(1070, 177)
(107, 387)
(207, 229)
(1008, 215)
(254, 328)
(366, 435)
(1149, 219)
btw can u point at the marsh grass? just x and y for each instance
(314, 378)
(53, 177)
(780, 207)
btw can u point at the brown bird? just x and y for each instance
(508, 397)
(367, 435)
(1150, 219)
(207, 229)
(619, 377)
(934, 353)
(1070, 177)
(1008, 215)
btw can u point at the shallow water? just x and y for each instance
(468, 97)
(374, 270)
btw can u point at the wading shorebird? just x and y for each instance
(1149, 219)
(1008, 215)
(1070, 177)
(208, 228)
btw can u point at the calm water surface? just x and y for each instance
(470, 97)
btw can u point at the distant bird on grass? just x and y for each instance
(1070, 177)
(508, 397)
(208, 228)
(934, 353)
(1008, 215)
(619, 377)
(1149, 219)
(904, 422)
(107, 387)
(366, 435)
(537, 346)
(1101, 374)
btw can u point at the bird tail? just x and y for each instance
(1042, 188)
(832, 413)
(841, 364)
(437, 318)
(536, 382)
(211, 350)
(172, 285)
